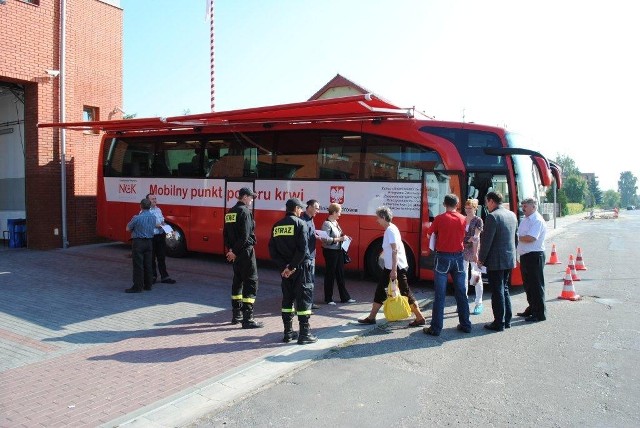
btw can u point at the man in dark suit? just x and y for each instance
(498, 255)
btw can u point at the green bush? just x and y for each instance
(574, 208)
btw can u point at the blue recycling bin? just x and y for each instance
(17, 232)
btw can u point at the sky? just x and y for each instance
(563, 74)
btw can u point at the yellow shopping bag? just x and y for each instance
(396, 307)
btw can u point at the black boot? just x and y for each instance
(247, 320)
(289, 334)
(305, 335)
(236, 307)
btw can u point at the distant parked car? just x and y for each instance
(631, 207)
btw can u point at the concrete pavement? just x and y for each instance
(77, 351)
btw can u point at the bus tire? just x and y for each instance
(176, 243)
(372, 259)
(374, 263)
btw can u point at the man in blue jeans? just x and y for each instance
(449, 228)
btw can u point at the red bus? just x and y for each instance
(359, 151)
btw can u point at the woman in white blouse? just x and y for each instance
(334, 257)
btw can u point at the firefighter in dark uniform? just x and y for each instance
(289, 249)
(239, 239)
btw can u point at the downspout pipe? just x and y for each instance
(63, 133)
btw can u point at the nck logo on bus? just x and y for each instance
(127, 188)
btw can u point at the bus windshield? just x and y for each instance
(528, 182)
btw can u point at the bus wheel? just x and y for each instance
(374, 262)
(411, 261)
(176, 243)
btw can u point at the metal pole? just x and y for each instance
(63, 134)
(211, 57)
(555, 201)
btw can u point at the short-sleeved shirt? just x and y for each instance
(475, 224)
(156, 211)
(449, 228)
(534, 226)
(334, 231)
(392, 236)
(142, 225)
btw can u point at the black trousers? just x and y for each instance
(334, 272)
(245, 277)
(142, 251)
(403, 285)
(532, 267)
(500, 298)
(159, 254)
(298, 289)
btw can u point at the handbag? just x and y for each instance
(347, 259)
(396, 306)
(476, 276)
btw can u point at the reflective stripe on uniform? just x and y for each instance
(287, 310)
(237, 297)
(230, 217)
(304, 313)
(248, 300)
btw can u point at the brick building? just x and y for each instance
(39, 70)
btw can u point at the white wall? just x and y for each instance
(12, 182)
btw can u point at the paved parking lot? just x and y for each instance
(77, 351)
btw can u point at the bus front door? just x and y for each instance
(436, 185)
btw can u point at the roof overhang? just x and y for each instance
(358, 107)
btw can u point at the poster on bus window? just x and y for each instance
(355, 197)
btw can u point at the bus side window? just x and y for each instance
(159, 167)
(231, 165)
(135, 169)
(185, 169)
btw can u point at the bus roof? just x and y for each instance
(358, 107)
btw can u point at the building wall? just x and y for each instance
(93, 77)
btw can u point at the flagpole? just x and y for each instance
(211, 52)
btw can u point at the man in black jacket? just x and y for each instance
(312, 209)
(289, 249)
(239, 239)
(498, 254)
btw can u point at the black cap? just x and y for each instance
(246, 191)
(293, 203)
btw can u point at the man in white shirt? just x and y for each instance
(159, 244)
(531, 234)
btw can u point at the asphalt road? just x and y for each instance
(578, 368)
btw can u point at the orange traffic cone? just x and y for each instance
(572, 269)
(579, 262)
(553, 259)
(568, 292)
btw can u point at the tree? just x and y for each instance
(575, 188)
(594, 190)
(562, 200)
(627, 188)
(568, 165)
(130, 116)
(611, 199)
